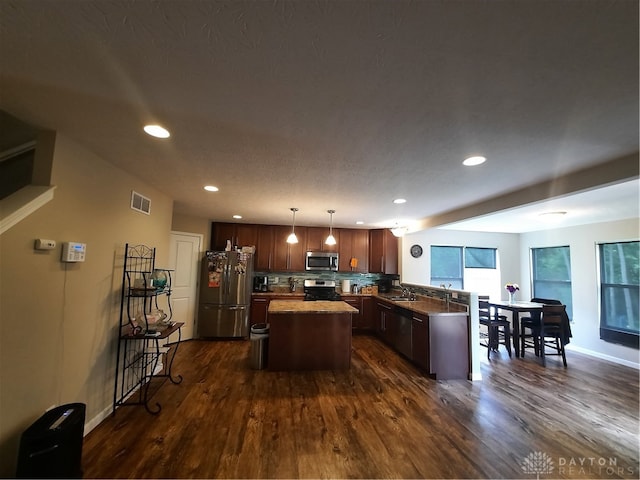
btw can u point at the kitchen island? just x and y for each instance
(309, 335)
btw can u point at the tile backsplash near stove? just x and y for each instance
(279, 281)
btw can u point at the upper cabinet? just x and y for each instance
(238, 234)
(288, 256)
(353, 245)
(374, 251)
(316, 237)
(383, 252)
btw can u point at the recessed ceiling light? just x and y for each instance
(157, 131)
(211, 188)
(359, 222)
(237, 217)
(399, 200)
(472, 161)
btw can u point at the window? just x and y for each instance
(619, 292)
(551, 268)
(446, 266)
(479, 257)
(449, 264)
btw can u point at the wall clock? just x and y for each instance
(416, 251)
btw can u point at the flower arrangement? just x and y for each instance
(512, 288)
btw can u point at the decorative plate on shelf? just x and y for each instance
(416, 251)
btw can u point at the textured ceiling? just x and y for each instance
(321, 105)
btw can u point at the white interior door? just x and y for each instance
(184, 259)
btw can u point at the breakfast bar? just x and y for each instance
(309, 335)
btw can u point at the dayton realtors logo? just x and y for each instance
(539, 463)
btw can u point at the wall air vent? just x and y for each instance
(140, 203)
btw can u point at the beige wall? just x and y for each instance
(58, 321)
(190, 224)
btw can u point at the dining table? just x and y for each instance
(516, 307)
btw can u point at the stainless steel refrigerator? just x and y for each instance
(226, 281)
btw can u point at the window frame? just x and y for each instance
(609, 332)
(463, 265)
(534, 281)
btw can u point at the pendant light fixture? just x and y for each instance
(292, 236)
(331, 240)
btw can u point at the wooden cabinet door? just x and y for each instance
(315, 239)
(264, 249)
(298, 251)
(366, 314)
(246, 235)
(383, 251)
(220, 233)
(376, 251)
(420, 340)
(386, 322)
(355, 302)
(280, 261)
(360, 249)
(259, 307)
(345, 247)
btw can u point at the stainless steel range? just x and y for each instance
(320, 290)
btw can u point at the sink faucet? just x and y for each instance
(447, 294)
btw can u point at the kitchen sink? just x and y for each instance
(399, 299)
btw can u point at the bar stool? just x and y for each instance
(498, 328)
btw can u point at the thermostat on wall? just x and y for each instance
(73, 251)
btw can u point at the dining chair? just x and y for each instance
(498, 330)
(530, 327)
(553, 331)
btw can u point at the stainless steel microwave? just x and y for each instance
(324, 261)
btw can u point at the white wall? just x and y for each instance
(514, 265)
(417, 270)
(582, 243)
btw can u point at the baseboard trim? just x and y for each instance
(603, 356)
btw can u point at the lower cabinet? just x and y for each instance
(259, 307)
(363, 320)
(420, 340)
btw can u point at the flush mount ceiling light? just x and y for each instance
(399, 200)
(237, 217)
(331, 240)
(473, 161)
(157, 131)
(398, 231)
(211, 188)
(552, 216)
(292, 236)
(359, 222)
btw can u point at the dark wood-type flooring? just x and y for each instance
(383, 418)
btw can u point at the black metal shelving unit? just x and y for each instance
(143, 352)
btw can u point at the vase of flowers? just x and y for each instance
(512, 288)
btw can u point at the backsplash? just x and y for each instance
(281, 279)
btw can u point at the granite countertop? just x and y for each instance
(300, 306)
(426, 305)
(274, 293)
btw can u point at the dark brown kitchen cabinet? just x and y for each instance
(354, 244)
(386, 322)
(264, 257)
(259, 307)
(383, 252)
(238, 234)
(316, 237)
(288, 256)
(366, 314)
(420, 340)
